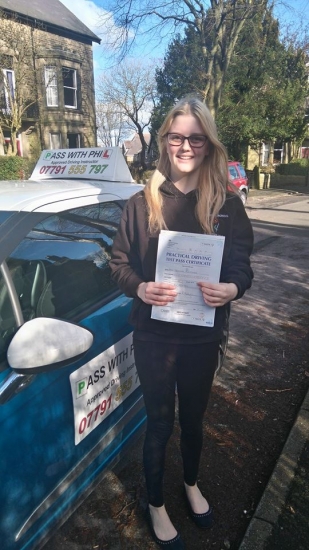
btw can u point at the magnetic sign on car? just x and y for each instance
(99, 386)
(91, 163)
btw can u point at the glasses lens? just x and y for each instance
(197, 141)
(175, 139)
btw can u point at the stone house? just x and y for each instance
(58, 89)
(132, 149)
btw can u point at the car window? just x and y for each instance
(242, 171)
(233, 172)
(63, 262)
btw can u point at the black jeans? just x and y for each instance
(160, 367)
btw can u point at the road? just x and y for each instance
(278, 298)
(281, 229)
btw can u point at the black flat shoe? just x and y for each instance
(203, 521)
(173, 544)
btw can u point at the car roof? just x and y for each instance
(60, 194)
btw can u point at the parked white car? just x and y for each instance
(70, 399)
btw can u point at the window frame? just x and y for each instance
(51, 86)
(51, 140)
(66, 87)
(278, 152)
(265, 153)
(78, 140)
(8, 89)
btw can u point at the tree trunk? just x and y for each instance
(14, 143)
(143, 154)
(271, 153)
(2, 142)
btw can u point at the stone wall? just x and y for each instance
(279, 180)
(275, 181)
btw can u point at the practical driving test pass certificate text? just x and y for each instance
(184, 259)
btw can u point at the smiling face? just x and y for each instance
(185, 160)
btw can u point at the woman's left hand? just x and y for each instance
(218, 294)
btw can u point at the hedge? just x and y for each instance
(295, 168)
(15, 168)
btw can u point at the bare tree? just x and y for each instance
(218, 24)
(112, 126)
(130, 87)
(18, 77)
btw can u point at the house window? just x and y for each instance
(278, 152)
(73, 141)
(51, 84)
(69, 87)
(7, 89)
(265, 153)
(55, 140)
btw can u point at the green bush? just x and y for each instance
(297, 167)
(15, 168)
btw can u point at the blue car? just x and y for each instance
(70, 399)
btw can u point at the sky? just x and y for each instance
(90, 12)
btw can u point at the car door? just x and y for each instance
(62, 428)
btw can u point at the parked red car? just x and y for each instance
(239, 178)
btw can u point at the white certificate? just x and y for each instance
(184, 259)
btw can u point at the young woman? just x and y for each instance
(188, 192)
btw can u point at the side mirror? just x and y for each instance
(44, 344)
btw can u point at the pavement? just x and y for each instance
(266, 523)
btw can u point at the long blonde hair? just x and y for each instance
(213, 176)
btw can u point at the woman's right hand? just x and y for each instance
(156, 294)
